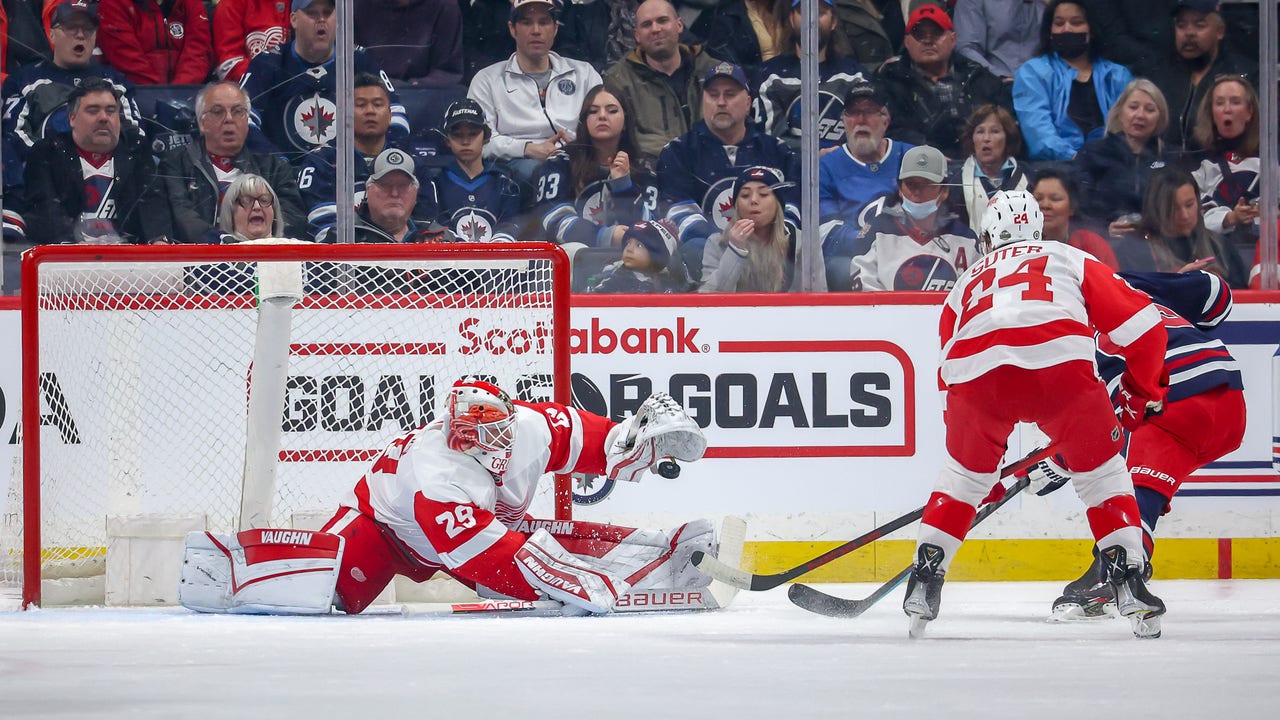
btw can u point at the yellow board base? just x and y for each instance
(1023, 559)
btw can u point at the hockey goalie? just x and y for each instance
(451, 496)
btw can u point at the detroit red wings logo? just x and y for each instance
(260, 41)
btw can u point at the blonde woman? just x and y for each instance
(758, 251)
(1114, 169)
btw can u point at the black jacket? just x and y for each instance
(193, 190)
(919, 117)
(1112, 179)
(55, 194)
(1173, 76)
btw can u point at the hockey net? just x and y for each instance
(141, 364)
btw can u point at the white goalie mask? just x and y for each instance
(480, 419)
(1011, 216)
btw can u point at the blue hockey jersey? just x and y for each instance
(588, 217)
(293, 102)
(485, 208)
(852, 192)
(318, 186)
(1191, 305)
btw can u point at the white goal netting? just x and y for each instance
(142, 361)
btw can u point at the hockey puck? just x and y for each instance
(669, 469)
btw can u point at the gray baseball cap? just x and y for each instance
(392, 160)
(925, 162)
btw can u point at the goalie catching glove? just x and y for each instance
(658, 430)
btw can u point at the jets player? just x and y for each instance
(1203, 418)
(1017, 346)
(451, 497)
(292, 87)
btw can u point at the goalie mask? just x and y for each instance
(1011, 216)
(481, 418)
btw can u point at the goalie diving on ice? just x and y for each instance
(451, 496)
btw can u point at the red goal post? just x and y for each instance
(145, 370)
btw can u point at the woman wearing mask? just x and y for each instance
(1171, 237)
(1056, 192)
(1062, 96)
(916, 244)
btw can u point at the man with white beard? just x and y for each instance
(855, 178)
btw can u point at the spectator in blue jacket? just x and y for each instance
(1062, 96)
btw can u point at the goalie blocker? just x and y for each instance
(296, 572)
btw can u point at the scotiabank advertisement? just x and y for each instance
(811, 404)
(826, 403)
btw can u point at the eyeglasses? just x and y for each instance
(239, 112)
(77, 28)
(247, 201)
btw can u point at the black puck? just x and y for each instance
(669, 469)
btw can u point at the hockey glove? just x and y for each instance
(1046, 476)
(658, 430)
(1133, 409)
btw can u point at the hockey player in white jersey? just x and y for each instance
(451, 496)
(1017, 337)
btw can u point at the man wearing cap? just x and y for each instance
(479, 201)
(931, 89)
(855, 179)
(85, 186)
(317, 176)
(660, 79)
(386, 214)
(157, 43)
(532, 97)
(916, 244)
(197, 174)
(1185, 74)
(292, 87)
(35, 95)
(778, 107)
(696, 170)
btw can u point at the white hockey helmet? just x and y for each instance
(1011, 216)
(481, 418)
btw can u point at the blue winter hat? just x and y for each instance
(656, 238)
(772, 177)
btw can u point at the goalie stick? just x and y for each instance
(717, 595)
(821, 603)
(744, 580)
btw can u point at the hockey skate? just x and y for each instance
(1133, 599)
(924, 589)
(1088, 597)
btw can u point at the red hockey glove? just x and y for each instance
(1134, 409)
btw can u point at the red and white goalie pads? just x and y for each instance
(550, 568)
(260, 572)
(658, 430)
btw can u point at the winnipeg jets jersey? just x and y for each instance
(900, 257)
(480, 209)
(588, 217)
(293, 101)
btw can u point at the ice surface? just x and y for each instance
(989, 655)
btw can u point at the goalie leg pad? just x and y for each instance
(261, 571)
(581, 582)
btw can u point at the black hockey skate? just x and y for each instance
(1133, 599)
(1088, 597)
(924, 589)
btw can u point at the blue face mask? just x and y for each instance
(919, 211)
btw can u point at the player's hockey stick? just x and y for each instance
(819, 602)
(750, 581)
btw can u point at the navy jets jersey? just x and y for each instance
(778, 107)
(293, 108)
(588, 217)
(485, 208)
(318, 186)
(35, 102)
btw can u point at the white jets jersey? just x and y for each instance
(1034, 305)
(902, 258)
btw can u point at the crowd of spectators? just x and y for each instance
(661, 137)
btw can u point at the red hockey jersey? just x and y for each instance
(150, 48)
(244, 28)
